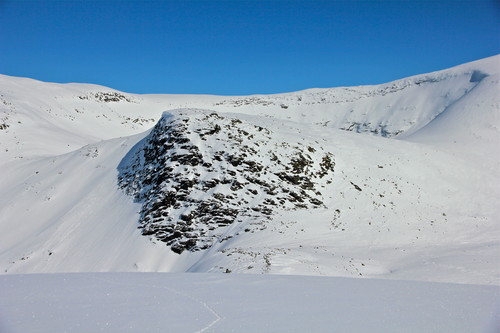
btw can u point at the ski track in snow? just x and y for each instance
(152, 302)
(205, 305)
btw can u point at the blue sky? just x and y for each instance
(241, 47)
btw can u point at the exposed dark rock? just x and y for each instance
(356, 186)
(191, 192)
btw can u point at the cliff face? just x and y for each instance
(199, 174)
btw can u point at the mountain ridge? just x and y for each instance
(61, 105)
(410, 205)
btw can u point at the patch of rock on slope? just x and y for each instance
(203, 177)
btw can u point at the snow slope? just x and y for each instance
(154, 302)
(469, 126)
(80, 114)
(422, 207)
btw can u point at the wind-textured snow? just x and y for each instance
(395, 181)
(156, 302)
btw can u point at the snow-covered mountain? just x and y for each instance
(399, 180)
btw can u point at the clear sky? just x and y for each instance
(241, 47)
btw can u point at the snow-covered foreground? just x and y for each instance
(398, 181)
(159, 302)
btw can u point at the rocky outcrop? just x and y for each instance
(198, 173)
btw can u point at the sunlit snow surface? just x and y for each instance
(156, 302)
(413, 196)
